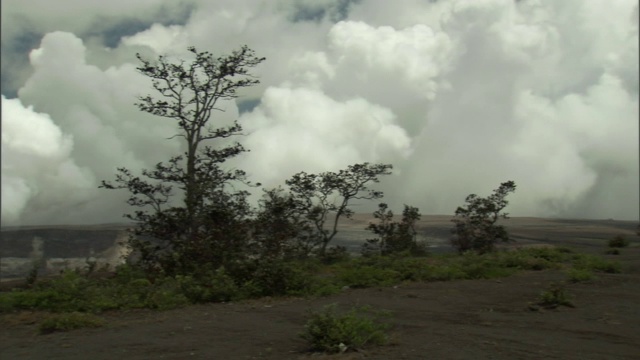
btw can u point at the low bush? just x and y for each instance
(554, 296)
(618, 241)
(332, 332)
(69, 321)
(363, 276)
(596, 263)
(211, 286)
(128, 288)
(579, 275)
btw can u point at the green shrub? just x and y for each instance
(73, 292)
(129, 288)
(165, 294)
(564, 250)
(579, 275)
(445, 272)
(596, 263)
(69, 321)
(323, 288)
(532, 258)
(363, 276)
(328, 331)
(554, 296)
(618, 241)
(410, 269)
(213, 286)
(65, 293)
(276, 278)
(336, 254)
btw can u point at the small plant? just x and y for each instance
(579, 275)
(554, 296)
(595, 263)
(614, 251)
(328, 331)
(69, 321)
(618, 241)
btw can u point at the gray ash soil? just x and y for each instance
(470, 319)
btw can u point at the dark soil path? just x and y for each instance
(481, 319)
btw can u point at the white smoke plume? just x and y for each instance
(37, 170)
(459, 95)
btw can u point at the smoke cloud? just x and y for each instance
(459, 95)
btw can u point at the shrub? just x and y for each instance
(212, 286)
(328, 331)
(618, 241)
(323, 287)
(69, 321)
(445, 272)
(363, 276)
(614, 251)
(579, 275)
(72, 292)
(554, 296)
(531, 258)
(335, 254)
(595, 263)
(276, 278)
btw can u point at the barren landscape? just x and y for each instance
(466, 319)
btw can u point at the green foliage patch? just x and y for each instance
(596, 263)
(69, 321)
(554, 296)
(579, 275)
(131, 288)
(333, 332)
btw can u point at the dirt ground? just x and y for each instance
(479, 319)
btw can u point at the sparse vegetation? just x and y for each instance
(69, 321)
(213, 246)
(596, 263)
(579, 275)
(618, 241)
(332, 332)
(131, 288)
(554, 296)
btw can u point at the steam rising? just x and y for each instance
(459, 95)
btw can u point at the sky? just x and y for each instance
(459, 95)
